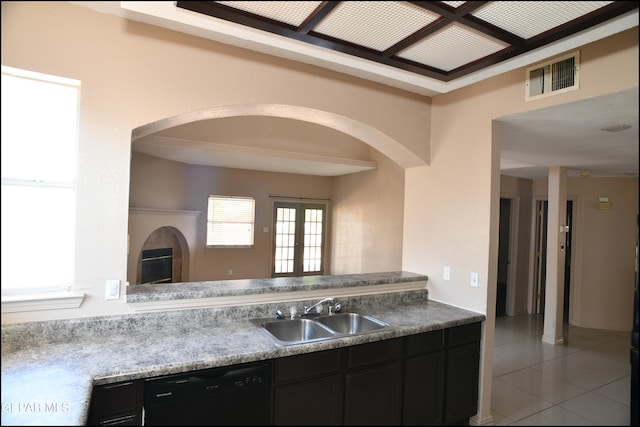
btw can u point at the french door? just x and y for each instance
(298, 241)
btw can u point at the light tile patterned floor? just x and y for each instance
(585, 381)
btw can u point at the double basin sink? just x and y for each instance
(320, 328)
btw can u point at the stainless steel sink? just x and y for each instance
(297, 331)
(307, 330)
(351, 323)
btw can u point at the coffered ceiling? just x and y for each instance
(429, 48)
(443, 40)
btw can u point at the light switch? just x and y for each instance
(112, 290)
(447, 273)
(474, 280)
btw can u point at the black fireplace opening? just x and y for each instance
(157, 266)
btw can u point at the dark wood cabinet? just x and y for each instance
(424, 379)
(373, 384)
(308, 389)
(429, 378)
(462, 373)
(118, 404)
(313, 402)
(441, 372)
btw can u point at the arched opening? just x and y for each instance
(246, 150)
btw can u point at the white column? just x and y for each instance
(556, 228)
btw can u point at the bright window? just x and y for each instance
(39, 144)
(230, 221)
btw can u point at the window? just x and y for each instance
(39, 143)
(296, 223)
(230, 221)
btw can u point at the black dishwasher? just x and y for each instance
(237, 395)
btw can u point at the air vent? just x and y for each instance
(550, 78)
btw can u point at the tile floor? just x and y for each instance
(585, 381)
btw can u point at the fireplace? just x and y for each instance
(157, 266)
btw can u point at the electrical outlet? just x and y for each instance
(230, 272)
(112, 290)
(474, 280)
(447, 273)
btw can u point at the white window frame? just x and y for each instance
(225, 229)
(38, 293)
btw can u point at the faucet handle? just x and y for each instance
(335, 308)
(293, 311)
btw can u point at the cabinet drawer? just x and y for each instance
(307, 365)
(424, 342)
(464, 334)
(115, 398)
(374, 352)
(116, 404)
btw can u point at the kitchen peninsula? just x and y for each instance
(49, 369)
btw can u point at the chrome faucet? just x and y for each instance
(308, 309)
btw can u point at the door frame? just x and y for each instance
(535, 232)
(512, 262)
(531, 305)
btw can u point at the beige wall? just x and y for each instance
(452, 205)
(133, 74)
(603, 264)
(449, 205)
(163, 184)
(603, 255)
(364, 224)
(367, 219)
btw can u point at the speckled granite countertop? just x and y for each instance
(49, 368)
(220, 288)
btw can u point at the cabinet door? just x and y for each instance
(313, 402)
(423, 389)
(463, 365)
(373, 396)
(308, 389)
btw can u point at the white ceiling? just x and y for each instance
(571, 135)
(567, 135)
(259, 143)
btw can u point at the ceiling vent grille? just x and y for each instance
(554, 77)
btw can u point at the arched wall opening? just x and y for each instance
(369, 135)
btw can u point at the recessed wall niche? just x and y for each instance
(164, 238)
(172, 227)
